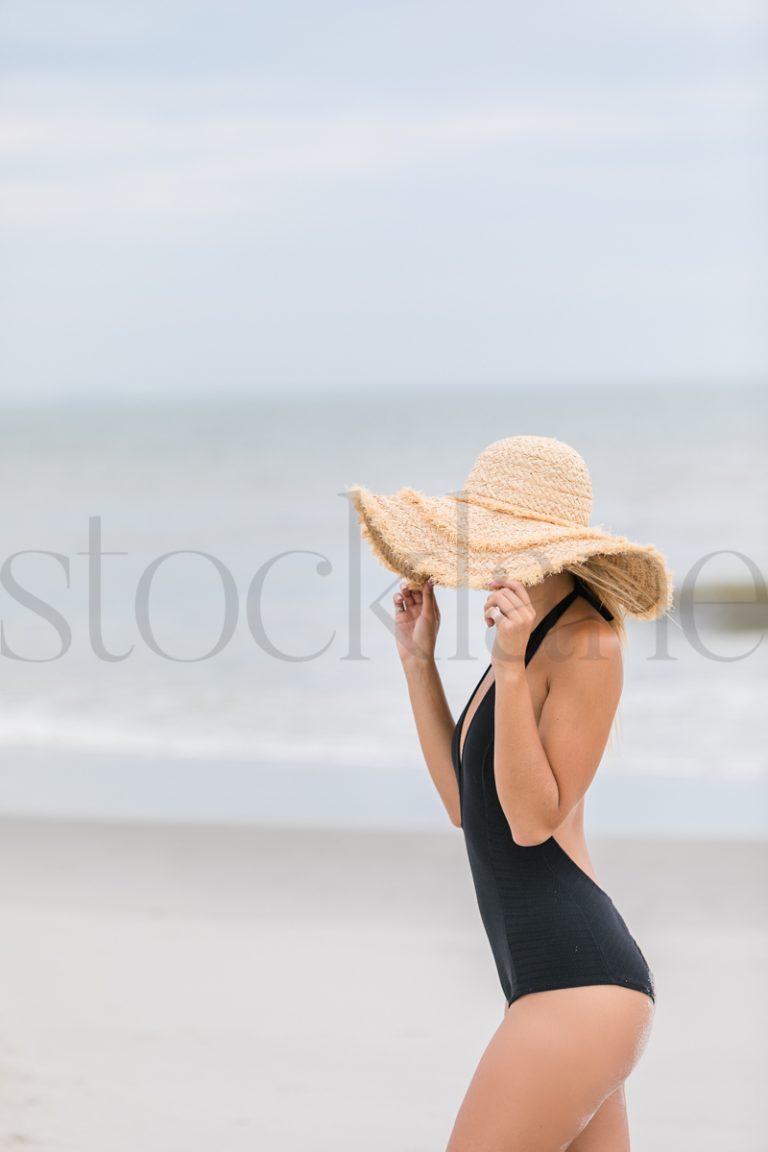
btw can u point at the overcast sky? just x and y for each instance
(236, 197)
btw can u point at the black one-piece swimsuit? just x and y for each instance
(549, 924)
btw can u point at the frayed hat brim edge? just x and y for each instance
(384, 537)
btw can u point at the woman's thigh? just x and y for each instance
(608, 1130)
(549, 1066)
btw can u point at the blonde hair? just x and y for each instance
(613, 584)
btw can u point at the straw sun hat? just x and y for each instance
(522, 514)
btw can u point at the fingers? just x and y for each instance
(492, 614)
(507, 602)
(516, 587)
(511, 593)
(422, 597)
(496, 606)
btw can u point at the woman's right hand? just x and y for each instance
(417, 620)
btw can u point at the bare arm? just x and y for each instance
(416, 627)
(542, 770)
(434, 725)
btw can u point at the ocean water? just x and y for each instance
(229, 614)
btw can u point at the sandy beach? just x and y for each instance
(175, 988)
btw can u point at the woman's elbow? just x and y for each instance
(528, 835)
(527, 828)
(529, 839)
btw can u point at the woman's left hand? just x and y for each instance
(509, 607)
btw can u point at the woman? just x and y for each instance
(514, 770)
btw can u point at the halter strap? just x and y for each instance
(554, 614)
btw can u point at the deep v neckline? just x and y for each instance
(461, 744)
(534, 641)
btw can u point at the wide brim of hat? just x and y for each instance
(459, 544)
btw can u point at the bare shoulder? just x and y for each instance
(585, 647)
